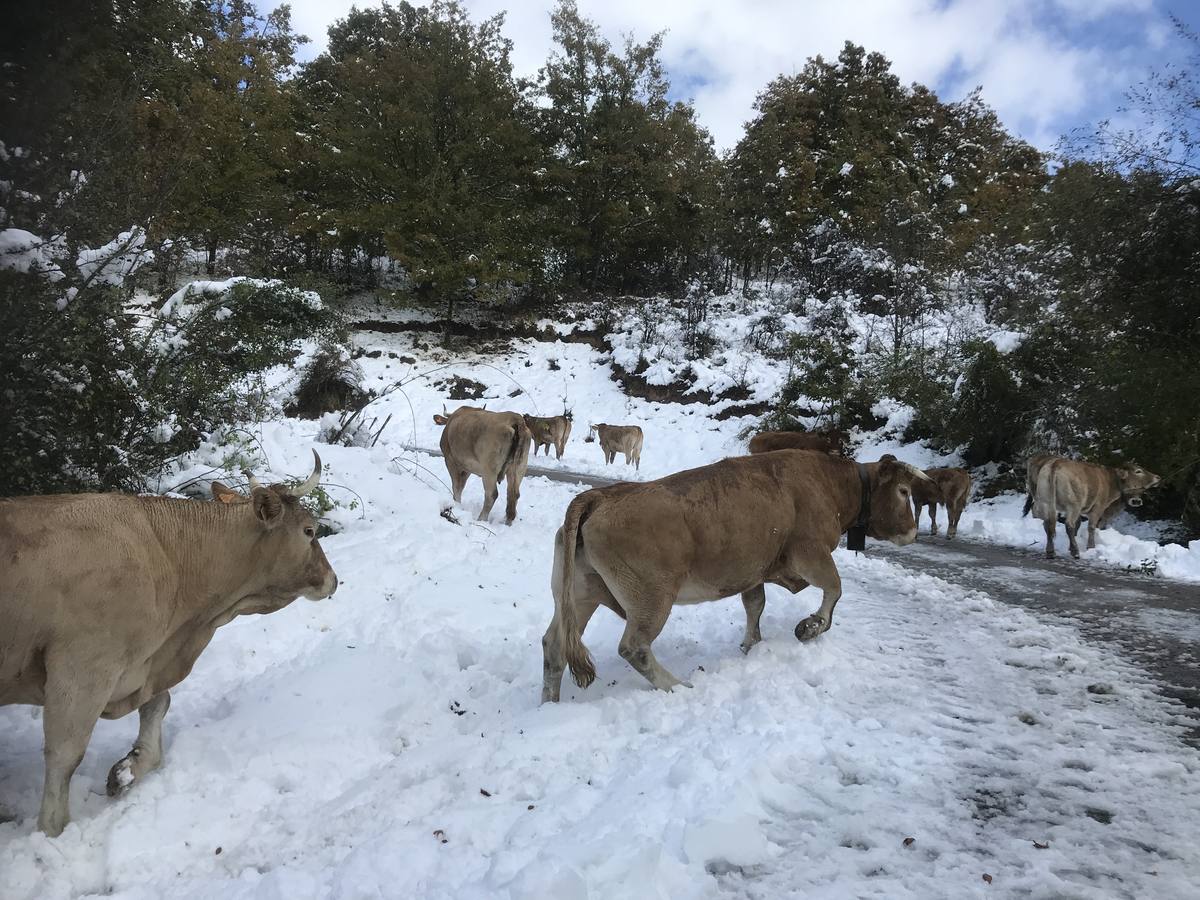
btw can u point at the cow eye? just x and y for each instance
(309, 531)
(904, 491)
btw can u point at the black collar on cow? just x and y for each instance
(856, 535)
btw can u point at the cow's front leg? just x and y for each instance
(1092, 517)
(73, 704)
(819, 571)
(755, 601)
(147, 752)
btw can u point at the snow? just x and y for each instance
(846, 169)
(1006, 341)
(344, 748)
(115, 261)
(26, 252)
(999, 520)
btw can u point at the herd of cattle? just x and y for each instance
(107, 600)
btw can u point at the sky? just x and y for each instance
(1046, 66)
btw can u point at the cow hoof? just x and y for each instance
(121, 777)
(809, 628)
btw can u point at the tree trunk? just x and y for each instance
(446, 333)
(210, 266)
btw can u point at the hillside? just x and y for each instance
(389, 739)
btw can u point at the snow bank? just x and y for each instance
(1000, 520)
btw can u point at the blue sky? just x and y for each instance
(1047, 66)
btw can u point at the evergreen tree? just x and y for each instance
(418, 140)
(629, 178)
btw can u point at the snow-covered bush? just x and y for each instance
(100, 393)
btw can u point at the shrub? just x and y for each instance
(101, 394)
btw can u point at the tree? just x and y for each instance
(418, 140)
(629, 178)
(891, 167)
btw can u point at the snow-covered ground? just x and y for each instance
(550, 376)
(388, 742)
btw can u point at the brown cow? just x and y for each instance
(107, 600)
(547, 431)
(949, 487)
(703, 534)
(492, 445)
(616, 439)
(1078, 488)
(831, 441)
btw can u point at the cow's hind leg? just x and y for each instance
(821, 572)
(1093, 516)
(147, 752)
(458, 481)
(1050, 524)
(933, 526)
(1072, 528)
(511, 495)
(755, 601)
(953, 514)
(588, 593)
(73, 704)
(645, 616)
(491, 490)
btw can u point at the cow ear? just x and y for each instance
(439, 419)
(223, 494)
(268, 506)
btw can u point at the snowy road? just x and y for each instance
(1153, 621)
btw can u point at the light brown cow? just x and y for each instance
(549, 431)
(703, 534)
(492, 445)
(616, 439)
(107, 600)
(1076, 489)
(829, 441)
(1033, 466)
(950, 487)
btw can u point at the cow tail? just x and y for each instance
(1028, 504)
(1046, 499)
(514, 448)
(579, 660)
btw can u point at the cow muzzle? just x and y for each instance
(1134, 502)
(327, 588)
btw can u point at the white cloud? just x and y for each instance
(1043, 64)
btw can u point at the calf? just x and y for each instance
(731, 527)
(492, 445)
(547, 431)
(949, 487)
(616, 439)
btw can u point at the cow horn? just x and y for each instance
(252, 481)
(914, 470)
(311, 482)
